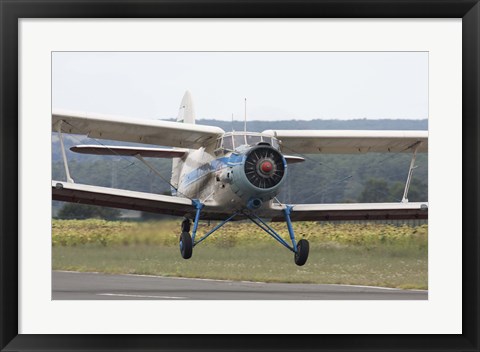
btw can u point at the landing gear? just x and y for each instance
(301, 255)
(299, 249)
(186, 245)
(187, 242)
(186, 225)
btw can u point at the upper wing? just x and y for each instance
(129, 151)
(346, 142)
(165, 133)
(351, 211)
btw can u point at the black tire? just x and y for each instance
(186, 225)
(186, 245)
(301, 256)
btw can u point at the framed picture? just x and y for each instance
(33, 35)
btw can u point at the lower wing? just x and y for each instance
(119, 198)
(176, 206)
(133, 200)
(351, 211)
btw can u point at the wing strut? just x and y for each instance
(410, 173)
(150, 166)
(64, 155)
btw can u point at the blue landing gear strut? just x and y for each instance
(300, 249)
(187, 242)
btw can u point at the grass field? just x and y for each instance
(370, 254)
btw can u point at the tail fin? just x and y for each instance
(186, 114)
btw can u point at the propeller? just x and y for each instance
(264, 167)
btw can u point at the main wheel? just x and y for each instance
(186, 245)
(301, 255)
(186, 225)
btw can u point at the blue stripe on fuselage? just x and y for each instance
(214, 165)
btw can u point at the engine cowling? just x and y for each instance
(259, 175)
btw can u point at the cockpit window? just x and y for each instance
(267, 140)
(252, 140)
(239, 140)
(227, 142)
(233, 140)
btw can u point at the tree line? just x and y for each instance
(328, 178)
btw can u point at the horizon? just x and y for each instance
(315, 119)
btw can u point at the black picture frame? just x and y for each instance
(11, 11)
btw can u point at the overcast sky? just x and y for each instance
(277, 85)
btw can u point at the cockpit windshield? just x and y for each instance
(253, 139)
(227, 142)
(233, 140)
(238, 140)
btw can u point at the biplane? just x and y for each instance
(228, 176)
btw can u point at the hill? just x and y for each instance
(320, 179)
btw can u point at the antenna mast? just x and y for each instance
(233, 130)
(245, 123)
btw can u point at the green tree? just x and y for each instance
(418, 191)
(375, 190)
(85, 211)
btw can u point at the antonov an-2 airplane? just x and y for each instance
(225, 176)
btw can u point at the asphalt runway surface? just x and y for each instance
(96, 286)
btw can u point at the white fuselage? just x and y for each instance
(206, 174)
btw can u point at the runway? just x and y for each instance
(96, 286)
